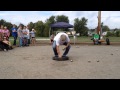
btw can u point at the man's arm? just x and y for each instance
(66, 45)
(58, 51)
(68, 40)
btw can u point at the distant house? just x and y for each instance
(104, 33)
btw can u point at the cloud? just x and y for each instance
(22, 16)
(110, 18)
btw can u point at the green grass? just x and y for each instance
(81, 39)
(78, 39)
(88, 39)
(114, 39)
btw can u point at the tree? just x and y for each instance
(104, 27)
(85, 31)
(117, 33)
(2, 22)
(109, 34)
(51, 20)
(62, 18)
(31, 25)
(46, 30)
(80, 25)
(39, 27)
(47, 24)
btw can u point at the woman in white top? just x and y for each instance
(32, 33)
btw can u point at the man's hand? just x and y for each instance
(58, 51)
(60, 56)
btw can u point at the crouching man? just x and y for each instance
(61, 39)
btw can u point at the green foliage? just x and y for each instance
(113, 33)
(110, 34)
(39, 27)
(51, 20)
(80, 25)
(117, 33)
(85, 31)
(105, 28)
(62, 18)
(31, 25)
(2, 22)
(46, 30)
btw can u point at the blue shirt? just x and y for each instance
(14, 33)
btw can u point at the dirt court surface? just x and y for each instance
(35, 62)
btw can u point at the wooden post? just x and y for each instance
(99, 23)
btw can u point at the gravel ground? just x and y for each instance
(35, 62)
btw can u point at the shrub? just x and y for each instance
(117, 33)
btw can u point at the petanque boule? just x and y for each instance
(71, 60)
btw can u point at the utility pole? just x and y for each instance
(99, 23)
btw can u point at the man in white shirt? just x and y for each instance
(61, 39)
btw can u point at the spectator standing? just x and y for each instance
(14, 34)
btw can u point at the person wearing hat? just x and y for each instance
(61, 39)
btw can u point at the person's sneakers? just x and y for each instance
(5, 50)
(10, 48)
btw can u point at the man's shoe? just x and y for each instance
(64, 56)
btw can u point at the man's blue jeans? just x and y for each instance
(20, 41)
(15, 38)
(55, 50)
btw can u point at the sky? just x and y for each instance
(109, 18)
